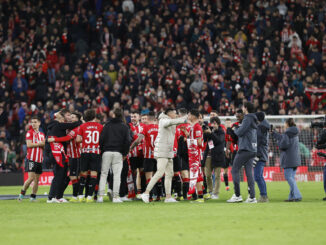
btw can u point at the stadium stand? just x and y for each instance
(153, 54)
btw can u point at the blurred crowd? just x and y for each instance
(150, 54)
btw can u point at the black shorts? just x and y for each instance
(184, 164)
(150, 165)
(136, 162)
(74, 166)
(176, 164)
(90, 161)
(32, 166)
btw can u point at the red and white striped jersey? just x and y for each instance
(90, 132)
(195, 150)
(178, 134)
(138, 129)
(150, 132)
(73, 148)
(35, 154)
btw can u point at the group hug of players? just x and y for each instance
(76, 145)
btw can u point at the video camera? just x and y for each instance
(205, 125)
(321, 123)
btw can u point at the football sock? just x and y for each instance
(226, 179)
(75, 187)
(185, 188)
(33, 195)
(205, 185)
(82, 182)
(91, 185)
(23, 192)
(200, 194)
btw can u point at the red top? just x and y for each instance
(138, 129)
(194, 149)
(90, 132)
(150, 132)
(228, 138)
(178, 134)
(35, 154)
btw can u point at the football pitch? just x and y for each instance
(214, 222)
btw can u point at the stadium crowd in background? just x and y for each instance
(148, 55)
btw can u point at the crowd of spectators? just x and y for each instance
(149, 54)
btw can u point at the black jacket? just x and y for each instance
(55, 128)
(262, 140)
(217, 153)
(115, 136)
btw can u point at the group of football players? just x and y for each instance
(72, 144)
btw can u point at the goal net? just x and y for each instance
(312, 165)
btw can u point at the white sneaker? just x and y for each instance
(145, 198)
(32, 199)
(170, 200)
(53, 200)
(214, 197)
(235, 199)
(125, 199)
(139, 196)
(63, 200)
(99, 199)
(117, 200)
(251, 200)
(110, 194)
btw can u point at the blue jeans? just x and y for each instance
(289, 174)
(325, 178)
(259, 177)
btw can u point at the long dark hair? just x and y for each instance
(290, 122)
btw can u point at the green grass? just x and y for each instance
(214, 222)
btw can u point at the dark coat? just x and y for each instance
(217, 153)
(247, 133)
(289, 147)
(262, 140)
(115, 137)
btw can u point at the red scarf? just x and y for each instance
(57, 151)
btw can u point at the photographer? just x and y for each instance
(290, 159)
(215, 145)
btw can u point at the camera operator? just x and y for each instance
(321, 144)
(215, 145)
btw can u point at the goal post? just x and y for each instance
(312, 165)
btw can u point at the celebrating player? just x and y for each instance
(149, 134)
(35, 141)
(73, 152)
(90, 160)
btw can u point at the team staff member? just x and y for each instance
(35, 141)
(114, 143)
(215, 145)
(262, 155)
(163, 152)
(55, 154)
(73, 152)
(247, 142)
(90, 159)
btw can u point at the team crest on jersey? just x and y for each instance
(198, 133)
